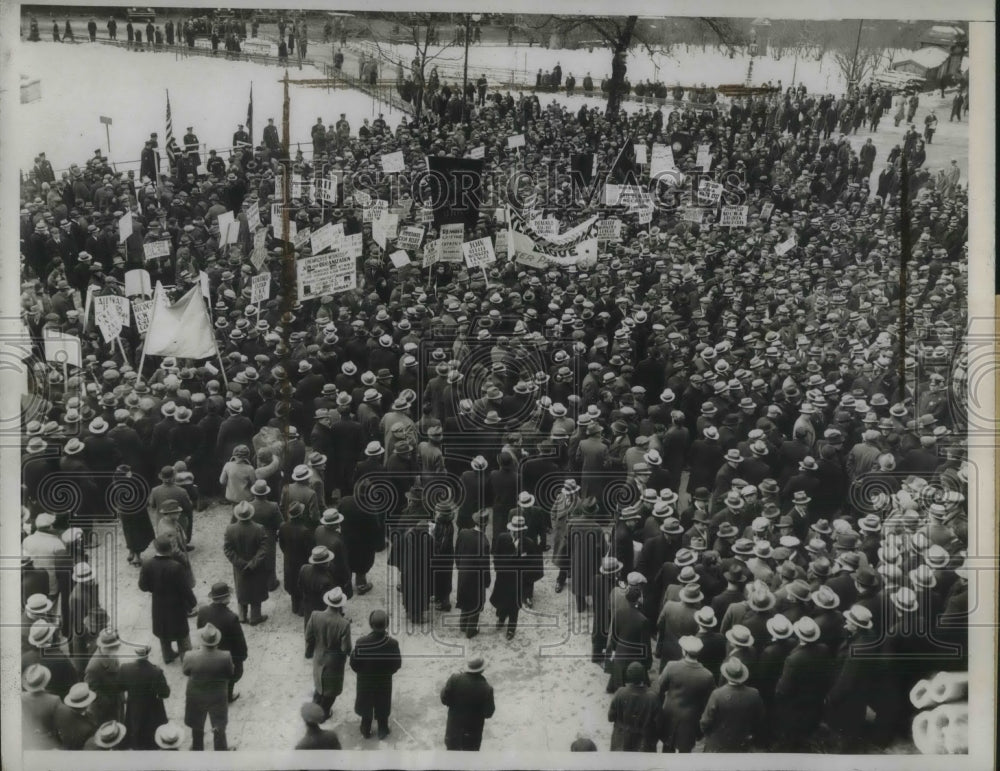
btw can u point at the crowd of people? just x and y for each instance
(715, 447)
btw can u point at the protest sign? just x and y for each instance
(547, 226)
(399, 258)
(353, 246)
(111, 312)
(786, 246)
(693, 214)
(260, 288)
(426, 215)
(709, 192)
(479, 253)
(451, 240)
(329, 236)
(432, 253)
(640, 155)
(142, 310)
(609, 229)
(500, 215)
(766, 211)
(733, 216)
(253, 216)
(62, 348)
(300, 187)
(138, 282)
(226, 221)
(275, 212)
(410, 237)
(393, 163)
(501, 246)
(645, 214)
(517, 140)
(301, 238)
(325, 274)
(362, 199)
(155, 249)
(704, 159)
(325, 190)
(478, 152)
(259, 253)
(279, 230)
(124, 227)
(662, 161)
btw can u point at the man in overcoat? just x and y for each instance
(375, 659)
(167, 581)
(684, 686)
(295, 537)
(472, 558)
(328, 644)
(209, 671)
(315, 580)
(469, 699)
(734, 713)
(145, 687)
(218, 613)
(245, 546)
(634, 710)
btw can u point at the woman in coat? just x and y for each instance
(375, 659)
(131, 511)
(238, 474)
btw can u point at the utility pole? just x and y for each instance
(854, 61)
(465, 67)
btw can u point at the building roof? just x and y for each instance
(942, 34)
(928, 58)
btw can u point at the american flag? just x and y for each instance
(172, 149)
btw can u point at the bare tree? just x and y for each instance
(422, 30)
(856, 70)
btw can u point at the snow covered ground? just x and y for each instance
(80, 83)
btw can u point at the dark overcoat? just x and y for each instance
(245, 546)
(472, 558)
(167, 581)
(469, 699)
(146, 687)
(375, 659)
(328, 644)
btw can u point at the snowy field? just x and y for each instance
(209, 94)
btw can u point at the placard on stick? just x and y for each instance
(733, 216)
(479, 253)
(260, 288)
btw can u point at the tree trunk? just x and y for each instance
(619, 67)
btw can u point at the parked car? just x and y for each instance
(140, 15)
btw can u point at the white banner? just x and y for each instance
(547, 226)
(432, 253)
(62, 348)
(353, 246)
(517, 140)
(279, 232)
(786, 246)
(532, 260)
(300, 186)
(767, 210)
(704, 158)
(479, 253)
(111, 313)
(640, 155)
(393, 163)
(260, 288)
(502, 245)
(259, 253)
(733, 216)
(301, 238)
(694, 214)
(325, 274)
(325, 190)
(478, 152)
(452, 237)
(154, 249)
(226, 221)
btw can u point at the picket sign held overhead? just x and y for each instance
(410, 237)
(478, 152)
(353, 245)
(767, 210)
(517, 140)
(141, 312)
(226, 221)
(124, 227)
(640, 154)
(137, 281)
(259, 253)
(260, 288)
(786, 246)
(301, 238)
(329, 236)
(253, 216)
(153, 250)
(393, 163)
(325, 274)
(451, 240)
(431, 253)
(399, 258)
(662, 160)
(62, 348)
(545, 226)
(733, 216)
(502, 245)
(609, 229)
(112, 314)
(479, 253)
(709, 192)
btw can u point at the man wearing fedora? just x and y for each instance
(168, 490)
(38, 709)
(145, 687)
(415, 560)
(171, 527)
(74, 721)
(587, 545)
(375, 659)
(232, 639)
(209, 671)
(604, 583)
(101, 675)
(855, 675)
(314, 580)
(472, 560)
(83, 600)
(683, 687)
(328, 644)
(296, 540)
(443, 553)
(298, 490)
(801, 689)
(245, 546)
(469, 699)
(267, 514)
(316, 738)
(45, 647)
(734, 713)
(165, 578)
(677, 617)
(564, 509)
(628, 639)
(328, 534)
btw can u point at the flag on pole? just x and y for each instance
(172, 149)
(182, 329)
(250, 116)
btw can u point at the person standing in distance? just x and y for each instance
(375, 659)
(469, 699)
